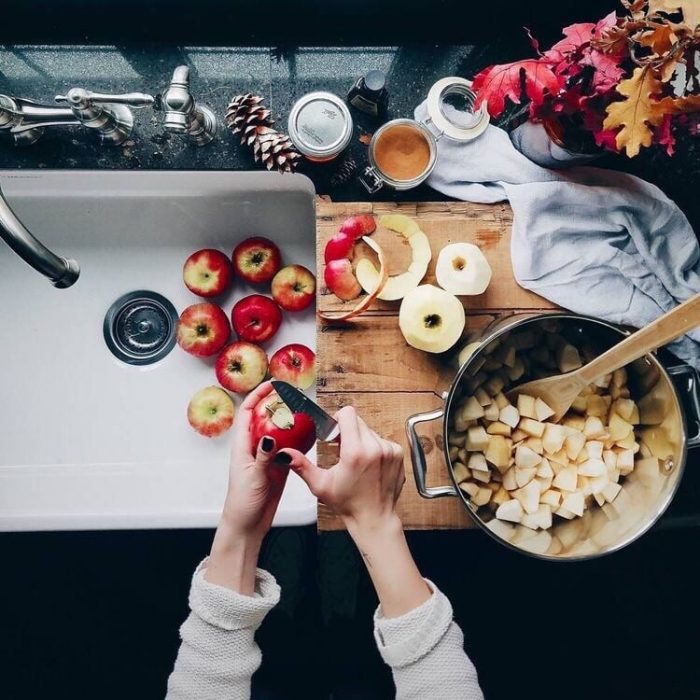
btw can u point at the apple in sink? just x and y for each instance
(294, 287)
(241, 366)
(295, 364)
(207, 272)
(210, 411)
(256, 259)
(203, 329)
(272, 417)
(256, 318)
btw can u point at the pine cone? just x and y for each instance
(344, 172)
(247, 115)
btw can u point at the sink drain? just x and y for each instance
(139, 328)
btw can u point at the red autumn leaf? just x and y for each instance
(575, 36)
(607, 139)
(604, 24)
(665, 136)
(607, 72)
(496, 83)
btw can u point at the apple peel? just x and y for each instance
(367, 300)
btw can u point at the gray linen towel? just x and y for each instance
(594, 241)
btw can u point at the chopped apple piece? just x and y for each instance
(603, 382)
(583, 484)
(596, 406)
(453, 452)
(566, 479)
(574, 422)
(482, 477)
(594, 448)
(471, 409)
(541, 519)
(545, 483)
(509, 415)
(545, 469)
(579, 404)
(460, 472)
(564, 513)
(501, 529)
(542, 410)
(574, 502)
(494, 385)
(524, 476)
(594, 428)
(539, 544)
(531, 427)
(628, 443)
(568, 358)
(610, 459)
(506, 354)
(618, 428)
(501, 401)
(573, 444)
(553, 438)
(491, 364)
(481, 497)
(477, 439)
(517, 435)
(619, 377)
(510, 510)
(500, 496)
(516, 371)
(461, 425)
(551, 498)
(599, 498)
(526, 458)
(455, 439)
(597, 484)
(526, 406)
(498, 428)
(491, 412)
(498, 452)
(482, 397)
(610, 492)
(625, 461)
(592, 467)
(529, 496)
(509, 482)
(477, 462)
(469, 487)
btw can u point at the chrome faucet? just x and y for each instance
(62, 272)
(109, 115)
(182, 114)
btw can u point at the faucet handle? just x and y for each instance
(80, 98)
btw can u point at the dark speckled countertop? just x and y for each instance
(280, 76)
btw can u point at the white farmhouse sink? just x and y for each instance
(87, 441)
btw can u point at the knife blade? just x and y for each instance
(298, 402)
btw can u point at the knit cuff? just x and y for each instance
(227, 609)
(403, 640)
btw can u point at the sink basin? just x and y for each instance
(88, 441)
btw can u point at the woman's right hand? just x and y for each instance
(363, 487)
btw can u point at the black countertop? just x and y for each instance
(96, 614)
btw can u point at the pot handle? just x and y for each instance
(418, 456)
(687, 381)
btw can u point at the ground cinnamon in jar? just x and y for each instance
(402, 152)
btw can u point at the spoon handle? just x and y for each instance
(663, 330)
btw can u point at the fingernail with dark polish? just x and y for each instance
(267, 444)
(283, 458)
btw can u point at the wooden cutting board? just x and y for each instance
(367, 363)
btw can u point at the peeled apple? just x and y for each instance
(462, 269)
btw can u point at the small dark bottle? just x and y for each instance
(369, 93)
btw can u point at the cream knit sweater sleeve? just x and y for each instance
(425, 649)
(218, 654)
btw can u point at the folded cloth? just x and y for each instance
(597, 242)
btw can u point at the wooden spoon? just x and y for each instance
(559, 391)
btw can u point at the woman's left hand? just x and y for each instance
(254, 490)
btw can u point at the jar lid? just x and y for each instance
(320, 125)
(451, 109)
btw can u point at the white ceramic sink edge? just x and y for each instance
(86, 441)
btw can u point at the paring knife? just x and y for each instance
(298, 402)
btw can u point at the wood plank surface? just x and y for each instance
(367, 363)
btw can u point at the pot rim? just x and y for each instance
(522, 320)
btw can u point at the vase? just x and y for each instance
(542, 146)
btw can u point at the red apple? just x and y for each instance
(203, 329)
(211, 411)
(207, 272)
(338, 247)
(340, 279)
(256, 259)
(358, 226)
(294, 287)
(272, 417)
(256, 318)
(241, 366)
(294, 364)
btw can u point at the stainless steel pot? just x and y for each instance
(669, 399)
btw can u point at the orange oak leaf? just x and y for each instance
(659, 40)
(689, 8)
(679, 105)
(637, 112)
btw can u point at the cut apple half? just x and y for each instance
(366, 301)
(397, 286)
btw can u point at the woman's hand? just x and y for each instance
(365, 484)
(362, 488)
(254, 490)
